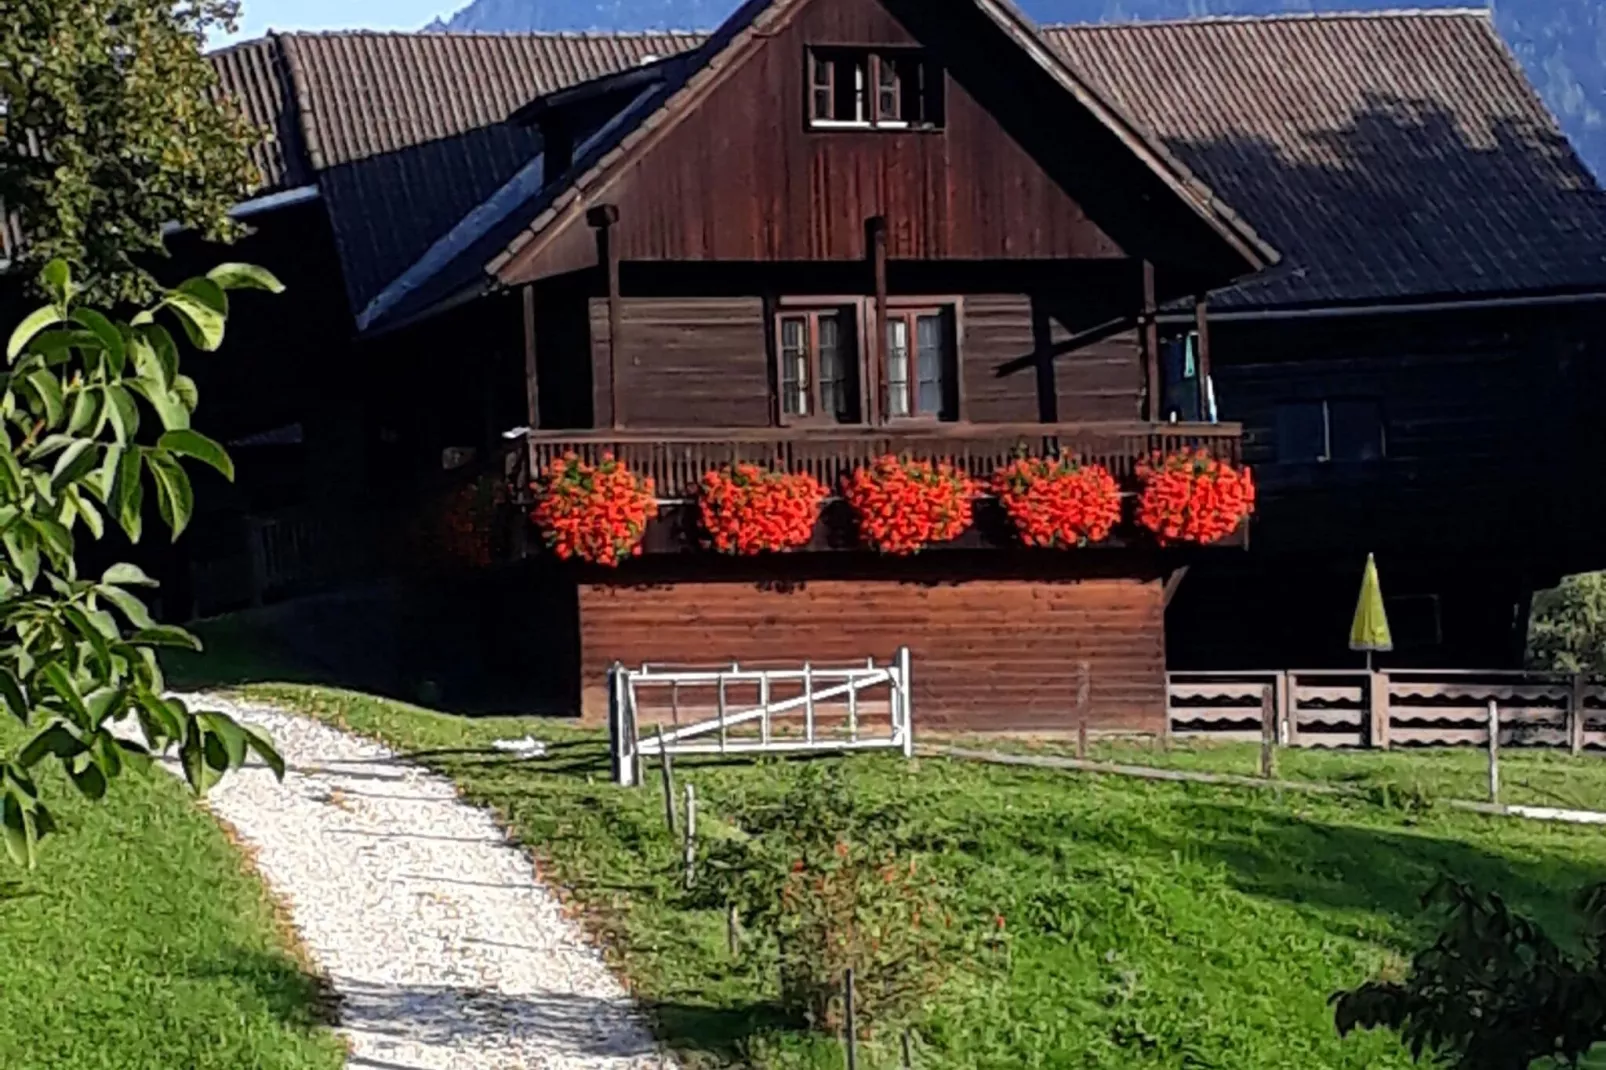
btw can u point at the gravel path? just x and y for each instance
(446, 952)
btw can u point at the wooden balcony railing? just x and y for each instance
(677, 459)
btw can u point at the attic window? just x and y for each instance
(888, 89)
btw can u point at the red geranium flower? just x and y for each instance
(596, 512)
(747, 509)
(1058, 503)
(1190, 496)
(902, 505)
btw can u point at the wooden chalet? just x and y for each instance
(1353, 251)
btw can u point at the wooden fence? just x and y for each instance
(1396, 707)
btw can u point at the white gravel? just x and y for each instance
(445, 950)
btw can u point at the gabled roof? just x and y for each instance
(1388, 156)
(471, 260)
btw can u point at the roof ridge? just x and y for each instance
(455, 34)
(1285, 16)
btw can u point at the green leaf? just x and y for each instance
(75, 462)
(245, 277)
(31, 325)
(104, 485)
(130, 605)
(93, 636)
(196, 445)
(104, 330)
(89, 780)
(56, 539)
(22, 545)
(56, 278)
(133, 753)
(102, 703)
(122, 413)
(230, 734)
(48, 389)
(166, 635)
(192, 754)
(128, 499)
(175, 499)
(85, 407)
(185, 390)
(262, 743)
(163, 349)
(15, 830)
(57, 740)
(169, 407)
(90, 515)
(127, 575)
(11, 693)
(201, 322)
(61, 682)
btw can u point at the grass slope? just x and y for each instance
(1151, 924)
(141, 942)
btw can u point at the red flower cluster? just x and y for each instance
(1189, 496)
(597, 512)
(903, 505)
(468, 521)
(747, 509)
(1058, 503)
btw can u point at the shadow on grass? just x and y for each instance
(555, 1021)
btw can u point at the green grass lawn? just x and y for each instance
(1151, 924)
(141, 942)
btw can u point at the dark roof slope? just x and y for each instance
(254, 74)
(1386, 156)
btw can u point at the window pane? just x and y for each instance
(898, 367)
(795, 366)
(928, 345)
(1301, 432)
(1355, 430)
(887, 101)
(833, 397)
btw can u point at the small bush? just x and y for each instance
(824, 884)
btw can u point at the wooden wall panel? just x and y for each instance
(743, 178)
(685, 362)
(988, 654)
(1101, 381)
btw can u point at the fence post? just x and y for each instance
(668, 776)
(690, 853)
(1286, 684)
(618, 727)
(905, 702)
(1494, 751)
(1378, 699)
(1268, 732)
(1084, 690)
(1576, 714)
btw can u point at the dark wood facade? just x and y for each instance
(1456, 443)
(658, 333)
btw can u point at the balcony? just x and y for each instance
(677, 459)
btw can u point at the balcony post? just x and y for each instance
(1201, 326)
(532, 389)
(603, 217)
(877, 228)
(1151, 344)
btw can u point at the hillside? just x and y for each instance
(1561, 43)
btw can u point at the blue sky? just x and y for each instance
(259, 16)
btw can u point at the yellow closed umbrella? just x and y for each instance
(1370, 630)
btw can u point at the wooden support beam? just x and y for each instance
(1150, 328)
(603, 217)
(1201, 327)
(532, 388)
(878, 266)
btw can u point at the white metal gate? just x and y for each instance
(759, 710)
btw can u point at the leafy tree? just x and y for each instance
(111, 125)
(1567, 629)
(90, 409)
(1494, 991)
